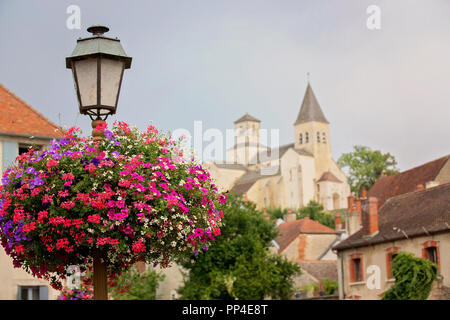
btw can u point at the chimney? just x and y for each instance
(290, 216)
(370, 216)
(337, 221)
(350, 202)
(363, 193)
(419, 187)
(245, 197)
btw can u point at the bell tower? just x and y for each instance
(312, 132)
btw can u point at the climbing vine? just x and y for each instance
(413, 278)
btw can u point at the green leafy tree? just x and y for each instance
(238, 265)
(132, 285)
(413, 278)
(276, 213)
(316, 212)
(365, 166)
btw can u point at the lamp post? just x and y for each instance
(97, 64)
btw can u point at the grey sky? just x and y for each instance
(213, 61)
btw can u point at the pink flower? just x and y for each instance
(68, 205)
(94, 218)
(138, 246)
(101, 126)
(52, 163)
(188, 185)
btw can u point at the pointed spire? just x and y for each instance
(310, 109)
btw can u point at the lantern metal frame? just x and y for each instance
(99, 47)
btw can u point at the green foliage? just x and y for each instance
(238, 265)
(366, 166)
(315, 212)
(276, 213)
(330, 287)
(413, 278)
(310, 287)
(132, 285)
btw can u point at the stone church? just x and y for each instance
(288, 176)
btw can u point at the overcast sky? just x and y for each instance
(388, 89)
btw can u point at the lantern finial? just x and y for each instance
(97, 30)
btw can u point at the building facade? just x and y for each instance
(417, 222)
(21, 128)
(288, 176)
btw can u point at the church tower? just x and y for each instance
(246, 146)
(312, 132)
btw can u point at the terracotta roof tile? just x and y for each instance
(290, 230)
(416, 213)
(407, 181)
(17, 117)
(328, 176)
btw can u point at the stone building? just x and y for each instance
(415, 221)
(288, 176)
(21, 127)
(309, 244)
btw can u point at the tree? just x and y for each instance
(132, 285)
(413, 278)
(315, 212)
(366, 166)
(238, 265)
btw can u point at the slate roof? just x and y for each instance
(407, 181)
(245, 182)
(266, 155)
(328, 176)
(320, 269)
(416, 214)
(19, 118)
(310, 109)
(290, 230)
(247, 117)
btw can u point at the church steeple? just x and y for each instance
(310, 109)
(312, 133)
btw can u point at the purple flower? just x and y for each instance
(117, 143)
(109, 134)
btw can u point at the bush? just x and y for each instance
(413, 278)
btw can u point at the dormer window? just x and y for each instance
(300, 139)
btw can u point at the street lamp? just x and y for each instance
(97, 64)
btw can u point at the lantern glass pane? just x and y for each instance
(86, 72)
(111, 74)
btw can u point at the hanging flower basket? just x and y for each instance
(130, 196)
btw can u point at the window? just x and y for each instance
(306, 137)
(318, 136)
(32, 293)
(324, 140)
(430, 252)
(300, 139)
(356, 268)
(318, 187)
(390, 257)
(24, 148)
